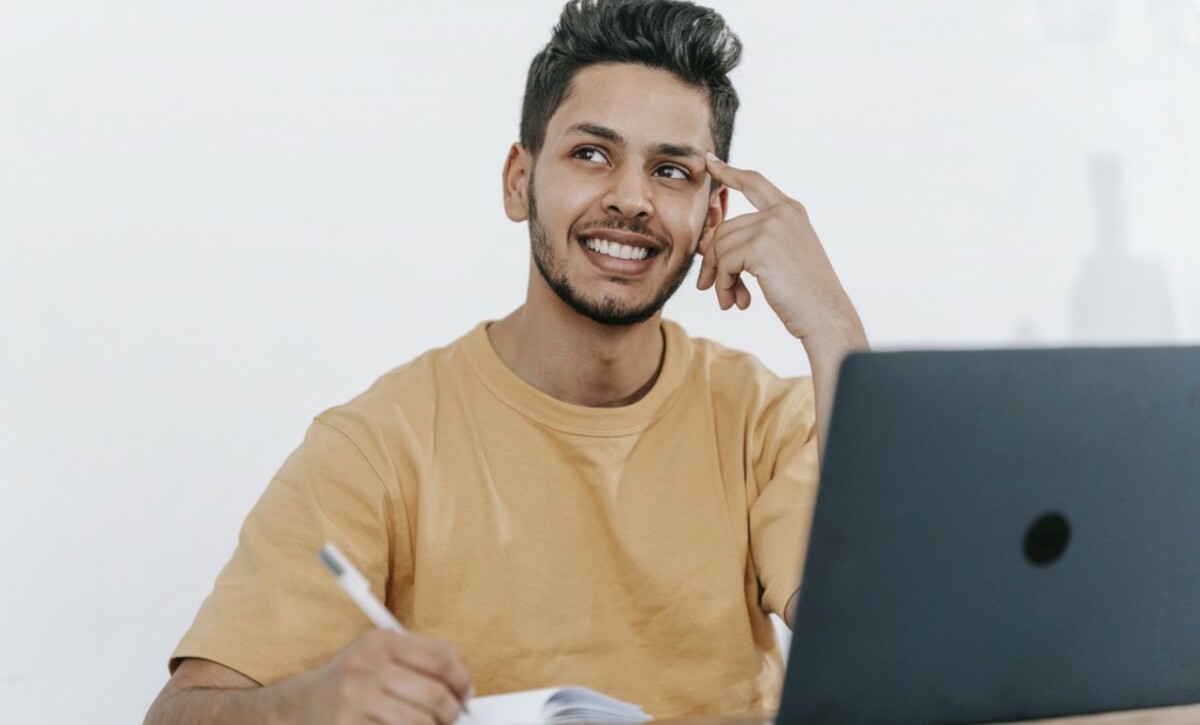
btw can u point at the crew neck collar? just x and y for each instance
(582, 419)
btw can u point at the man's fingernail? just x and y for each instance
(711, 156)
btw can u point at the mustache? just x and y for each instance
(620, 224)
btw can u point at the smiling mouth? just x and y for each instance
(617, 250)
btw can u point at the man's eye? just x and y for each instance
(672, 172)
(588, 153)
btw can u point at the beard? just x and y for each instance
(608, 310)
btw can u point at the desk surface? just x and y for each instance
(1160, 715)
(1181, 714)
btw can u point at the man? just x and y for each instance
(579, 492)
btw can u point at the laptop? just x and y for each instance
(1003, 535)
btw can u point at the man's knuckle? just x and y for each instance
(426, 693)
(425, 717)
(436, 658)
(448, 668)
(443, 699)
(446, 652)
(461, 674)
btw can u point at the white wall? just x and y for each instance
(219, 218)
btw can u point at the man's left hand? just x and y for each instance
(777, 244)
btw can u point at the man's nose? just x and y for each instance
(629, 194)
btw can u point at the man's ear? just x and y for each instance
(518, 170)
(718, 204)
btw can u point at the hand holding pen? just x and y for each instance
(389, 674)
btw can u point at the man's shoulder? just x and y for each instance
(748, 395)
(408, 392)
(725, 366)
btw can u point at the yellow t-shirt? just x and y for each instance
(635, 550)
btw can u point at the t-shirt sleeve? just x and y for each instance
(786, 475)
(275, 610)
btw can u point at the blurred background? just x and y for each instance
(218, 219)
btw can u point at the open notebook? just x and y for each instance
(551, 705)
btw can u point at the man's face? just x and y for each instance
(618, 195)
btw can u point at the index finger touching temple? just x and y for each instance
(754, 186)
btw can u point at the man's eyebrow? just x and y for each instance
(603, 132)
(670, 149)
(662, 149)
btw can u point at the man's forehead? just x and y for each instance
(647, 107)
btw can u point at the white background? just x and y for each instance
(219, 218)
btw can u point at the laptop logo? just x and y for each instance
(1047, 539)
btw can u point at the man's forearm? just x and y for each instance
(270, 704)
(210, 706)
(825, 355)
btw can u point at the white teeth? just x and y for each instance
(618, 251)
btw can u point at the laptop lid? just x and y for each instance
(1003, 535)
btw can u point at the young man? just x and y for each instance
(579, 492)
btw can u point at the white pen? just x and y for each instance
(356, 586)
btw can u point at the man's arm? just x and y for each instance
(204, 691)
(777, 244)
(825, 354)
(381, 677)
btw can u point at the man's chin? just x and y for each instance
(621, 317)
(612, 312)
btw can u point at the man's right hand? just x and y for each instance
(388, 677)
(381, 677)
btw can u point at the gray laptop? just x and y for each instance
(1003, 535)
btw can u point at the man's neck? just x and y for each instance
(576, 360)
